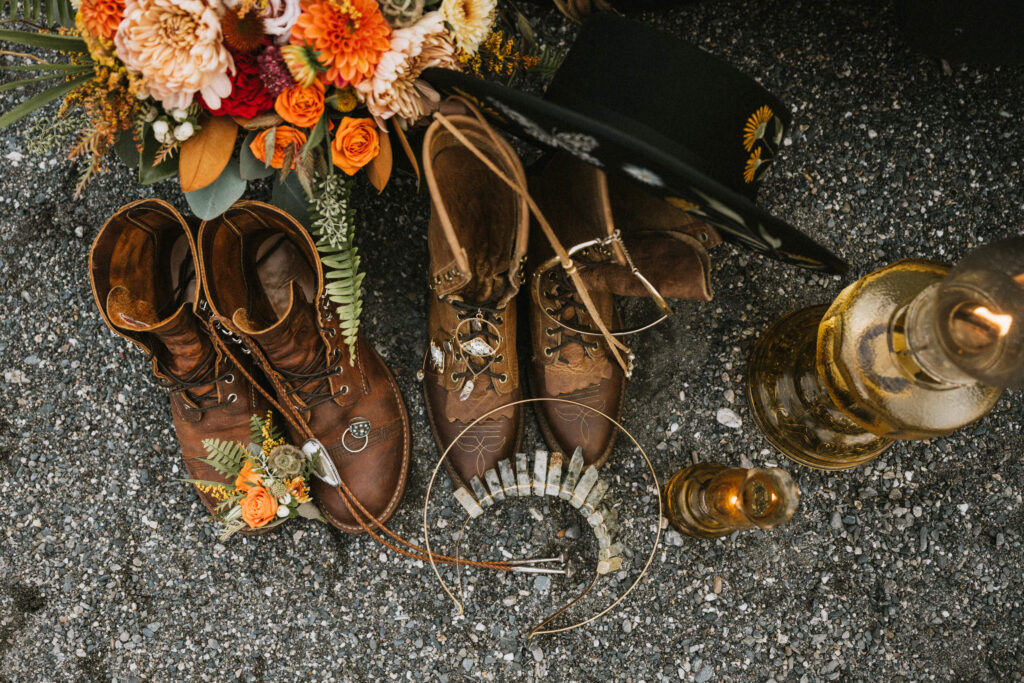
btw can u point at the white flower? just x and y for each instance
(283, 511)
(278, 18)
(160, 130)
(151, 114)
(285, 499)
(470, 21)
(177, 48)
(179, 115)
(184, 131)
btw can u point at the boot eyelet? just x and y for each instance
(499, 359)
(549, 311)
(232, 398)
(230, 379)
(547, 351)
(454, 378)
(549, 331)
(504, 377)
(332, 333)
(344, 389)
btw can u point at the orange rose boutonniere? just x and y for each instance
(301, 106)
(247, 478)
(258, 507)
(284, 136)
(355, 144)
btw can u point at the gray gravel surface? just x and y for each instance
(907, 569)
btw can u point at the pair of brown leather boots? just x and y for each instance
(234, 315)
(479, 244)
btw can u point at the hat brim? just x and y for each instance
(613, 149)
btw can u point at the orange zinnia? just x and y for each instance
(350, 35)
(102, 17)
(283, 137)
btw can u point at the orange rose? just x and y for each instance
(285, 136)
(355, 144)
(301, 106)
(247, 478)
(258, 507)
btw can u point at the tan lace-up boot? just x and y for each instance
(477, 242)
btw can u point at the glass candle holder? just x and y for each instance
(912, 351)
(708, 500)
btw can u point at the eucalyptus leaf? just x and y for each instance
(315, 136)
(251, 168)
(211, 201)
(289, 196)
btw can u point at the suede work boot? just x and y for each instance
(143, 269)
(666, 244)
(264, 282)
(477, 244)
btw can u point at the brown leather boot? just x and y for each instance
(264, 282)
(477, 242)
(666, 244)
(143, 269)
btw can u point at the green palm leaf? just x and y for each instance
(47, 41)
(44, 11)
(40, 100)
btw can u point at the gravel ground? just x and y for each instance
(907, 569)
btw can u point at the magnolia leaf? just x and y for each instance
(289, 196)
(126, 149)
(257, 123)
(40, 100)
(211, 201)
(379, 170)
(148, 173)
(204, 155)
(251, 168)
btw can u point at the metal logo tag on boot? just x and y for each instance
(323, 468)
(359, 428)
(467, 389)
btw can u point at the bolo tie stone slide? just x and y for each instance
(583, 489)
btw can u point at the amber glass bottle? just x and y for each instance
(911, 351)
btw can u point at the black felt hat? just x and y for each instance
(690, 128)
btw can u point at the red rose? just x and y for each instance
(249, 96)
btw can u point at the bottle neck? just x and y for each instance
(914, 342)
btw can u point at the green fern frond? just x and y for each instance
(226, 457)
(256, 429)
(334, 228)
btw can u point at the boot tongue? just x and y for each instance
(183, 349)
(292, 343)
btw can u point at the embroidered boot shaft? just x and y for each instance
(143, 269)
(264, 282)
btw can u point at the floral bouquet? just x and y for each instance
(224, 92)
(271, 481)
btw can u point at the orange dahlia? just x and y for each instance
(102, 17)
(350, 36)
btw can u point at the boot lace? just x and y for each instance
(313, 385)
(200, 401)
(565, 305)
